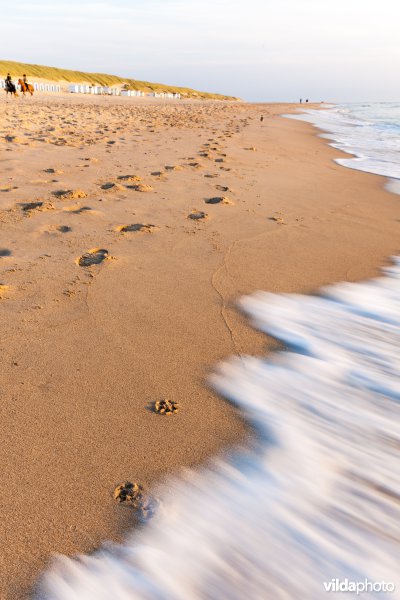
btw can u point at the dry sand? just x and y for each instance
(122, 186)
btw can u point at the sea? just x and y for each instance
(311, 507)
(368, 131)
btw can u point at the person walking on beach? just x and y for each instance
(301, 100)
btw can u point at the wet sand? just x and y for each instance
(114, 297)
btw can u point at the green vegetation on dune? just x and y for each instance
(66, 75)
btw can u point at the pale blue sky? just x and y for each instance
(256, 49)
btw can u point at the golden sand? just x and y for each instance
(100, 320)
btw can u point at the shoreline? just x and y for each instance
(100, 338)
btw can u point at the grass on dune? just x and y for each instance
(66, 75)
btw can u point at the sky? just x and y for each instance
(259, 50)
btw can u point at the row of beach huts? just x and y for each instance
(114, 91)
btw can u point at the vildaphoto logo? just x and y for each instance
(358, 587)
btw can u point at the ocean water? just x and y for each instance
(369, 131)
(314, 502)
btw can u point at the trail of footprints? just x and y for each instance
(211, 157)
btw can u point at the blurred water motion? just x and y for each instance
(317, 495)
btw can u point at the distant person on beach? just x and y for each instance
(307, 100)
(24, 80)
(301, 100)
(8, 79)
(262, 118)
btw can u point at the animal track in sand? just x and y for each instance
(133, 495)
(212, 175)
(218, 200)
(93, 257)
(70, 194)
(141, 227)
(222, 188)
(129, 493)
(166, 407)
(197, 215)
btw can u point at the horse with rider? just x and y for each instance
(10, 86)
(22, 82)
(25, 86)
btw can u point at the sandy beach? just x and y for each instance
(129, 230)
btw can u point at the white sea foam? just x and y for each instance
(371, 132)
(316, 496)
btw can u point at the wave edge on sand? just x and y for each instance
(314, 498)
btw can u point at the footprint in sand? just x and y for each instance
(59, 228)
(28, 206)
(142, 227)
(77, 210)
(140, 187)
(279, 220)
(111, 186)
(93, 257)
(130, 178)
(70, 194)
(53, 171)
(212, 175)
(222, 188)
(218, 200)
(173, 168)
(4, 252)
(197, 215)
